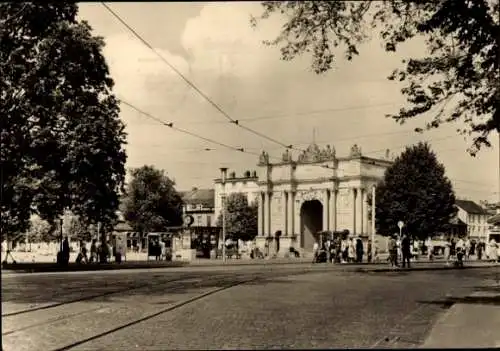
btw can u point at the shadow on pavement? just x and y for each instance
(61, 292)
(477, 300)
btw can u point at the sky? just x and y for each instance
(213, 45)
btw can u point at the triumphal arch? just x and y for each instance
(316, 192)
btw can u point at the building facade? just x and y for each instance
(316, 192)
(200, 204)
(246, 184)
(475, 217)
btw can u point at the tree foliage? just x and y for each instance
(416, 191)
(241, 217)
(40, 231)
(459, 77)
(62, 139)
(151, 202)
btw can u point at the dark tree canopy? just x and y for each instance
(151, 202)
(241, 217)
(415, 190)
(62, 139)
(460, 71)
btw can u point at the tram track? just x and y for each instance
(107, 293)
(156, 314)
(154, 288)
(228, 280)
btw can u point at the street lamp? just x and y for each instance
(223, 171)
(373, 222)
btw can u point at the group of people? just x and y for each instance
(98, 253)
(342, 250)
(159, 250)
(404, 247)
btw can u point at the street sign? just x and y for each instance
(401, 224)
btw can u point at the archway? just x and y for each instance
(311, 222)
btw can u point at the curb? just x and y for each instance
(442, 268)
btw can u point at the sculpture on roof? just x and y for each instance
(314, 154)
(355, 151)
(264, 158)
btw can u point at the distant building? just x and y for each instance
(490, 207)
(199, 203)
(246, 184)
(475, 217)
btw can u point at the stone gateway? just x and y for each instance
(317, 192)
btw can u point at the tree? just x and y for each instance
(460, 72)
(241, 217)
(62, 139)
(40, 231)
(416, 191)
(151, 202)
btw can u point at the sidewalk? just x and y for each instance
(473, 322)
(29, 267)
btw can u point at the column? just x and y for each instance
(353, 192)
(285, 212)
(333, 209)
(366, 219)
(268, 214)
(360, 224)
(260, 215)
(291, 212)
(326, 209)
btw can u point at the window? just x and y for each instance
(198, 219)
(209, 221)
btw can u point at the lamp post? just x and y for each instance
(223, 172)
(373, 222)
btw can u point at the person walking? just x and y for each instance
(315, 251)
(467, 249)
(479, 249)
(447, 251)
(359, 250)
(351, 251)
(430, 249)
(369, 253)
(393, 251)
(93, 251)
(406, 250)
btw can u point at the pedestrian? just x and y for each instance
(430, 249)
(351, 251)
(393, 251)
(492, 250)
(468, 247)
(315, 251)
(359, 250)
(163, 248)
(406, 250)
(369, 253)
(479, 250)
(447, 251)
(460, 250)
(93, 251)
(65, 251)
(328, 245)
(82, 255)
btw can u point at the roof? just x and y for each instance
(494, 219)
(206, 197)
(470, 207)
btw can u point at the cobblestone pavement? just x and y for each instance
(276, 307)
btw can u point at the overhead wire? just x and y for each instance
(220, 109)
(191, 84)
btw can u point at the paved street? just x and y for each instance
(301, 306)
